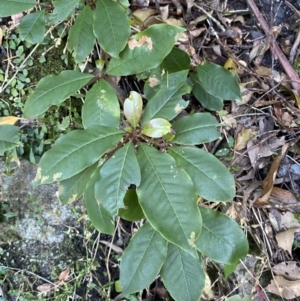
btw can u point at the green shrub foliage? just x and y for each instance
(141, 162)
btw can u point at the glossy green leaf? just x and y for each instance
(166, 103)
(160, 79)
(132, 211)
(196, 129)
(9, 137)
(207, 100)
(230, 268)
(101, 106)
(12, 7)
(176, 60)
(211, 178)
(62, 10)
(74, 152)
(81, 38)
(32, 27)
(99, 217)
(133, 108)
(183, 275)
(116, 175)
(221, 239)
(53, 90)
(218, 81)
(168, 197)
(111, 26)
(73, 188)
(142, 259)
(145, 50)
(157, 128)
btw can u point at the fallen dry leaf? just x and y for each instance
(242, 139)
(285, 239)
(288, 269)
(269, 180)
(64, 274)
(284, 288)
(44, 288)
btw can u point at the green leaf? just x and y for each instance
(81, 38)
(9, 137)
(221, 239)
(176, 60)
(133, 108)
(111, 26)
(53, 90)
(12, 7)
(196, 129)
(157, 128)
(142, 259)
(211, 178)
(238, 298)
(166, 103)
(101, 106)
(132, 211)
(32, 27)
(230, 268)
(157, 81)
(183, 275)
(63, 10)
(168, 197)
(116, 175)
(208, 101)
(145, 50)
(99, 217)
(73, 188)
(74, 152)
(219, 81)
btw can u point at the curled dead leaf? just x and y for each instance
(269, 180)
(284, 288)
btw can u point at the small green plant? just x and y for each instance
(139, 158)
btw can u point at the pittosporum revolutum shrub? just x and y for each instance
(136, 161)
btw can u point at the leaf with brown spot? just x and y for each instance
(288, 269)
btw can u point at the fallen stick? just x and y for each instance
(289, 70)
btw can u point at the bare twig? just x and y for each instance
(275, 49)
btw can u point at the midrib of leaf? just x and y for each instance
(89, 142)
(49, 91)
(111, 24)
(194, 128)
(218, 81)
(122, 170)
(141, 54)
(185, 281)
(165, 192)
(33, 26)
(142, 257)
(189, 162)
(81, 22)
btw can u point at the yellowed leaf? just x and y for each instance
(242, 139)
(288, 269)
(285, 239)
(141, 15)
(9, 120)
(230, 65)
(284, 288)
